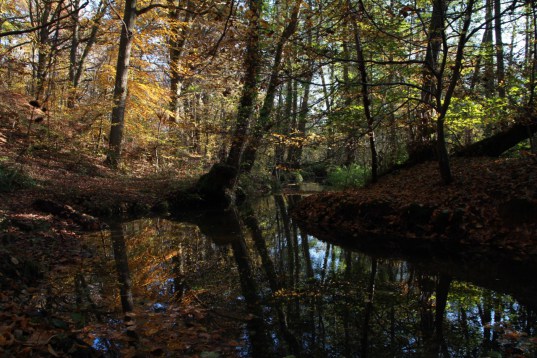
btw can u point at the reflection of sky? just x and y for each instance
(317, 250)
(102, 344)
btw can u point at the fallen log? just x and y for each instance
(499, 143)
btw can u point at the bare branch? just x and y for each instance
(35, 28)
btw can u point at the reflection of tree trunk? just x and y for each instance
(179, 285)
(310, 306)
(485, 314)
(325, 262)
(275, 284)
(296, 257)
(442, 290)
(261, 342)
(463, 322)
(426, 287)
(346, 311)
(369, 308)
(306, 252)
(261, 246)
(498, 316)
(123, 274)
(280, 203)
(122, 266)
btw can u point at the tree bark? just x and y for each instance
(176, 45)
(497, 144)
(500, 65)
(366, 100)
(75, 41)
(264, 122)
(430, 75)
(442, 153)
(249, 94)
(120, 88)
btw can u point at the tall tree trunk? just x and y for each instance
(500, 65)
(249, 94)
(531, 51)
(351, 140)
(75, 41)
(264, 122)
(366, 100)
(486, 51)
(295, 152)
(120, 88)
(442, 153)
(431, 80)
(176, 45)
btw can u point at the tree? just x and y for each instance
(120, 88)
(364, 89)
(264, 121)
(176, 44)
(252, 65)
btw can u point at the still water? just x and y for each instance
(289, 293)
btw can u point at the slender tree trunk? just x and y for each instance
(176, 45)
(295, 158)
(531, 51)
(75, 41)
(120, 88)
(351, 140)
(369, 308)
(79, 68)
(500, 64)
(443, 157)
(486, 52)
(366, 100)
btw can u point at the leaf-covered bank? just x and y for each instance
(491, 206)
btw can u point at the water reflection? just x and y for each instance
(306, 297)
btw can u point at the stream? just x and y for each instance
(289, 293)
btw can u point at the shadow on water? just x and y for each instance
(313, 298)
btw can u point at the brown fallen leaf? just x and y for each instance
(6, 339)
(39, 338)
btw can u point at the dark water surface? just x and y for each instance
(310, 298)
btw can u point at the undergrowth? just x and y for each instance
(351, 176)
(12, 179)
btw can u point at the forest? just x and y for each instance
(210, 178)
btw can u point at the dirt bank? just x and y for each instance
(491, 206)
